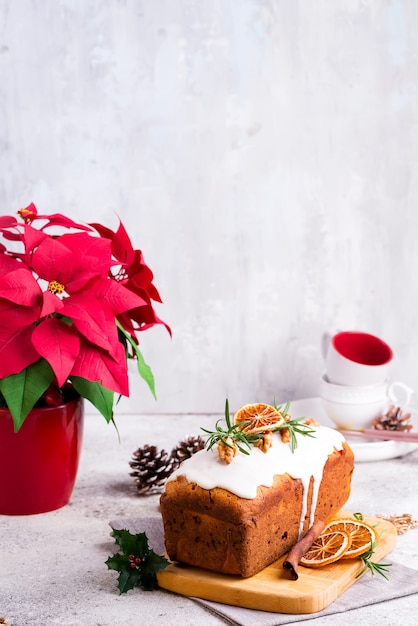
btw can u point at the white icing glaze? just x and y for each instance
(247, 472)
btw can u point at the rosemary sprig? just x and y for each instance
(234, 433)
(375, 568)
(294, 426)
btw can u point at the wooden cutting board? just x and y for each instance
(271, 589)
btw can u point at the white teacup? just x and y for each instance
(355, 407)
(356, 358)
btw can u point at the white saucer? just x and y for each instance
(364, 450)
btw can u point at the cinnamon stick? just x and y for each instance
(301, 547)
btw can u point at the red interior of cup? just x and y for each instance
(362, 348)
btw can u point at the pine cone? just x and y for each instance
(393, 419)
(151, 468)
(186, 448)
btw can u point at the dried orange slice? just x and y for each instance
(361, 534)
(261, 417)
(327, 548)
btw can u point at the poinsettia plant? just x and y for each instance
(73, 298)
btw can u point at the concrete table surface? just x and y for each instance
(52, 569)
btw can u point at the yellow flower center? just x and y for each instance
(55, 287)
(25, 213)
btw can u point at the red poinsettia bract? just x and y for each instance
(72, 299)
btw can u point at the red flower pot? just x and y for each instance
(41, 459)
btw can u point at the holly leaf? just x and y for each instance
(136, 563)
(129, 543)
(128, 578)
(154, 563)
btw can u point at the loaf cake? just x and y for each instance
(239, 517)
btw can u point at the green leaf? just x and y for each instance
(22, 391)
(144, 370)
(98, 395)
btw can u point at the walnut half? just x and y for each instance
(227, 450)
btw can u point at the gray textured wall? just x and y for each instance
(262, 153)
